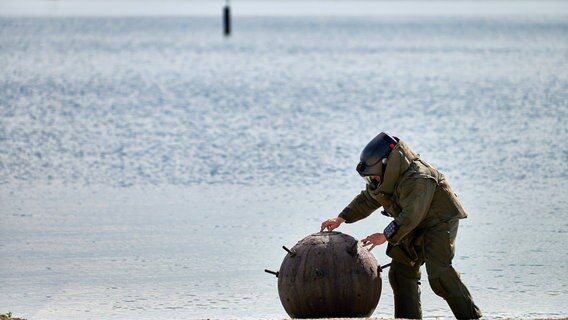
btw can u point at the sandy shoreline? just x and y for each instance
(9, 317)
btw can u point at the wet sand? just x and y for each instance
(9, 317)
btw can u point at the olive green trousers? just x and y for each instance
(435, 248)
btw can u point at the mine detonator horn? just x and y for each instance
(276, 273)
(352, 250)
(292, 254)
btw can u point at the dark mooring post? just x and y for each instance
(227, 19)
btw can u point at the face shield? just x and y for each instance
(372, 174)
(374, 159)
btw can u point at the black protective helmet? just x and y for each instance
(372, 163)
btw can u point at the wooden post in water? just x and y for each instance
(227, 19)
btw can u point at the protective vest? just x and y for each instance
(413, 192)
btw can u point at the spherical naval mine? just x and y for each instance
(329, 274)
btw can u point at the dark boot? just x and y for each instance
(464, 308)
(449, 286)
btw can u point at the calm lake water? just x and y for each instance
(151, 169)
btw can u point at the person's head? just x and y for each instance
(374, 158)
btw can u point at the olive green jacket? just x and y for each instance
(413, 192)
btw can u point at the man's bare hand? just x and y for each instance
(331, 223)
(376, 239)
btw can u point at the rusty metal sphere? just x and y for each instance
(329, 274)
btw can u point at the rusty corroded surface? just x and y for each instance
(329, 274)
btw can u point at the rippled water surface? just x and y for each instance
(150, 168)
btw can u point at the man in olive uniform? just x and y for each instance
(426, 214)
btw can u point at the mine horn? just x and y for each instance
(276, 273)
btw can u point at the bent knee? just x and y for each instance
(447, 284)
